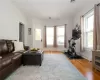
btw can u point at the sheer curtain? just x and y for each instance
(65, 36)
(55, 36)
(82, 33)
(61, 40)
(96, 32)
(45, 41)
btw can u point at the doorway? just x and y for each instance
(21, 32)
(38, 38)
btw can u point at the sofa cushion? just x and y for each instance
(0, 66)
(7, 56)
(5, 60)
(0, 61)
(21, 52)
(16, 53)
(5, 63)
(3, 47)
(17, 56)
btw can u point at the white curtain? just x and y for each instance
(82, 34)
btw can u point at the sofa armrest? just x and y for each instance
(26, 48)
(0, 57)
(17, 56)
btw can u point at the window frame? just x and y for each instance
(86, 32)
(60, 35)
(40, 35)
(49, 45)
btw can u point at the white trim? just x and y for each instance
(85, 57)
(85, 30)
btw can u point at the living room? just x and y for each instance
(46, 26)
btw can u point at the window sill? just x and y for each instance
(58, 46)
(88, 49)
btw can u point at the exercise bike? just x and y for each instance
(71, 52)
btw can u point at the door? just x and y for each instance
(38, 38)
(21, 32)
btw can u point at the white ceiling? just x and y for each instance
(56, 9)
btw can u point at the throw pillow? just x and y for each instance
(18, 46)
(10, 45)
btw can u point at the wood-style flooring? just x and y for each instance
(84, 66)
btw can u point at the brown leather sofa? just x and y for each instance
(9, 61)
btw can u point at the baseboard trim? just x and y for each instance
(85, 58)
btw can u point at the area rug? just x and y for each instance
(54, 67)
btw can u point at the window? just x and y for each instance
(50, 35)
(37, 34)
(88, 30)
(60, 35)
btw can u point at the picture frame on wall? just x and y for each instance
(29, 31)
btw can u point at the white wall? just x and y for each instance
(30, 37)
(87, 54)
(41, 23)
(10, 17)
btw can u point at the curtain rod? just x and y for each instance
(61, 25)
(91, 9)
(98, 4)
(88, 11)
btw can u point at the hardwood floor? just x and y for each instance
(52, 52)
(84, 66)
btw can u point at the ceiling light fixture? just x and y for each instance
(72, 0)
(49, 17)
